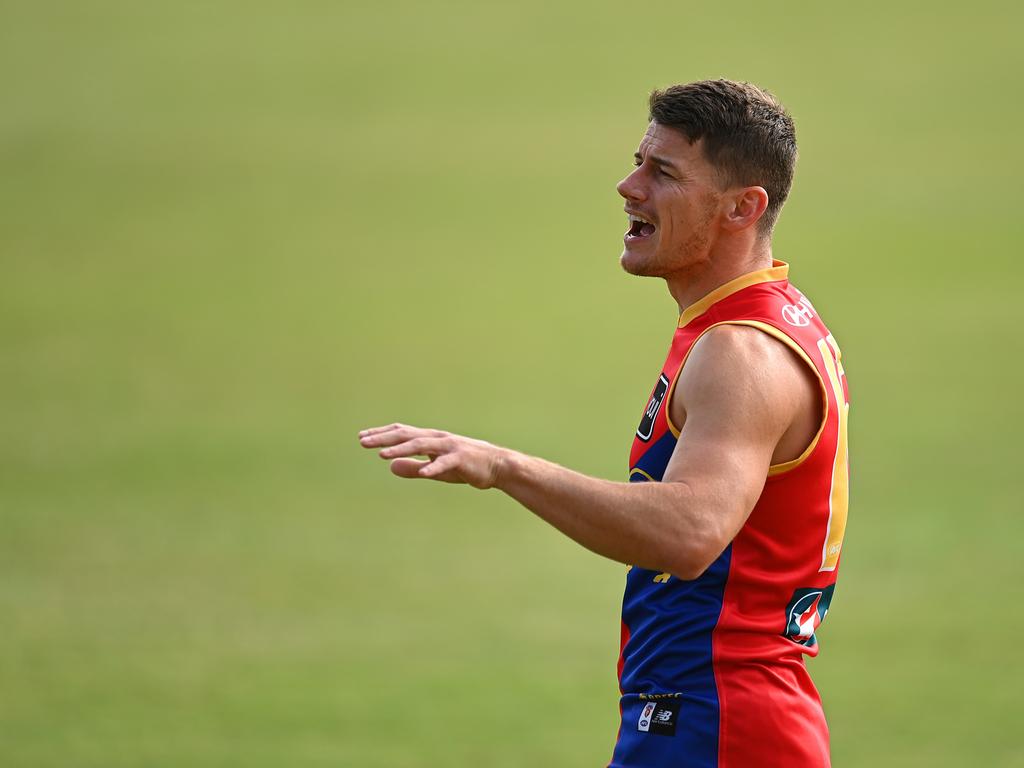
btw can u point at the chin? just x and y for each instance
(635, 264)
(628, 263)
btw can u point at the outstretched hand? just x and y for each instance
(449, 458)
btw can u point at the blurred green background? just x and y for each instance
(235, 233)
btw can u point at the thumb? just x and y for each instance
(409, 468)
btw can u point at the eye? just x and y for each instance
(666, 174)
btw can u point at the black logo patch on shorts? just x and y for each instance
(646, 428)
(659, 717)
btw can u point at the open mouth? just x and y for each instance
(639, 228)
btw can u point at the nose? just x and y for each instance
(631, 188)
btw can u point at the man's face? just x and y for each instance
(673, 199)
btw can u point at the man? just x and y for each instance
(734, 515)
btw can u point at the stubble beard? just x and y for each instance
(691, 253)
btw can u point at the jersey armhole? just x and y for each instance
(775, 469)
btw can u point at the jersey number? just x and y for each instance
(839, 499)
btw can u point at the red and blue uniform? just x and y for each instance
(711, 671)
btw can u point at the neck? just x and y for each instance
(692, 283)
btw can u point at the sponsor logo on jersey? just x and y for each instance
(798, 314)
(660, 716)
(646, 428)
(805, 613)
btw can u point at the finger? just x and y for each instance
(392, 435)
(396, 433)
(408, 468)
(396, 425)
(440, 465)
(375, 430)
(419, 446)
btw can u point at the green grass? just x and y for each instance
(235, 233)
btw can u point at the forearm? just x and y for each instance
(661, 526)
(679, 526)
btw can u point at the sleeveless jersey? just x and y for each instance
(711, 671)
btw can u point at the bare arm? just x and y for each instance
(741, 391)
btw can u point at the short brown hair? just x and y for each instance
(748, 136)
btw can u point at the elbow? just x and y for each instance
(691, 569)
(699, 536)
(693, 557)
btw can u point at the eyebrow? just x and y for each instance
(657, 160)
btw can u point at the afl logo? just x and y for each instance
(644, 723)
(797, 314)
(805, 613)
(660, 717)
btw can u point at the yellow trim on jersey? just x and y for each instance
(839, 498)
(779, 270)
(676, 431)
(639, 471)
(667, 403)
(771, 330)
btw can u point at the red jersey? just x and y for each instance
(717, 663)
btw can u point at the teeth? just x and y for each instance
(634, 219)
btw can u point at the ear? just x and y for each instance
(744, 207)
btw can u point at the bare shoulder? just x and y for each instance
(739, 371)
(741, 356)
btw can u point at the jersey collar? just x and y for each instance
(779, 270)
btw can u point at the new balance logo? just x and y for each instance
(660, 717)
